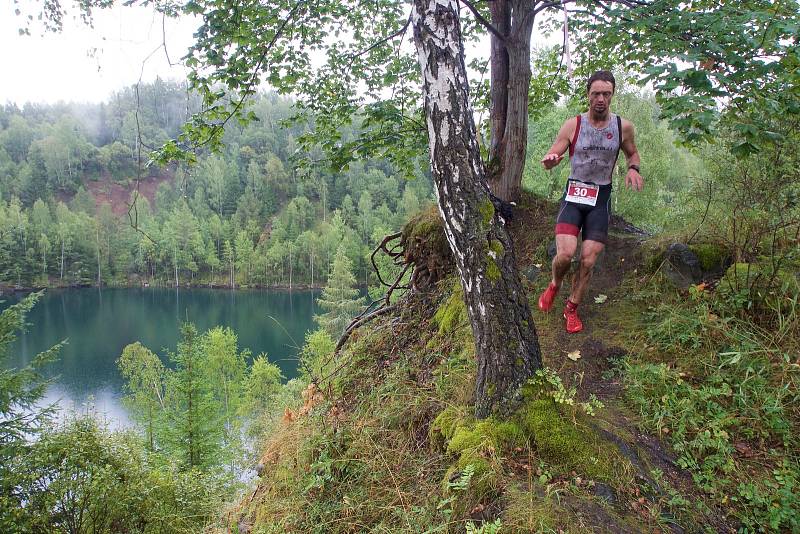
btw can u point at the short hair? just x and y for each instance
(601, 76)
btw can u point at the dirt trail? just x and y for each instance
(592, 372)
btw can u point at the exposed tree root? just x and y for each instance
(397, 253)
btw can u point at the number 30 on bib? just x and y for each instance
(582, 193)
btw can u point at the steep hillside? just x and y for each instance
(118, 196)
(385, 440)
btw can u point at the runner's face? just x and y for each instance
(600, 94)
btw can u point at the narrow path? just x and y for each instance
(656, 472)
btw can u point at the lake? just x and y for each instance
(98, 324)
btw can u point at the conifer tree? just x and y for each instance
(192, 412)
(340, 298)
(20, 416)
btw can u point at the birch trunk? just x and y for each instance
(506, 344)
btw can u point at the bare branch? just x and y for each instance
(386, 39)
(548, 5)
(561, 3)
(382, 247)
(485, 23)
(377, 313)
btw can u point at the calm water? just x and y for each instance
(98, 324)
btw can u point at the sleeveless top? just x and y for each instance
(593, 152)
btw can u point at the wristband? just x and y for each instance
(634, 167)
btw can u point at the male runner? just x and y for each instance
(594, 140)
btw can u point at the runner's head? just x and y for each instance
(600, 88)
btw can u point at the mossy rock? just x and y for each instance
(478, 443)
(485, 435)
(448, 421)
(563, 442)
(485, 480)
(453, 312)
(714, 258)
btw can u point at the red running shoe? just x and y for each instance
(546, 299)
(574, 323)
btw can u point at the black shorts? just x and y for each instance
(592, 219)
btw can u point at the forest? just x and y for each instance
(243, 217)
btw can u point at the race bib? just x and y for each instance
(582, 193)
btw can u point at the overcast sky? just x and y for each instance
(83, 64)
(86, 64)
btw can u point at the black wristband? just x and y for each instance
(634, 167)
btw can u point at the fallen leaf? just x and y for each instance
(575, 355)
(537, 265)
(601, 299)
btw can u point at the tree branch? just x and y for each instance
(253, 78)
(560, 3)
(377, 313)
(480, 18)
(382, 247)
(388, 38)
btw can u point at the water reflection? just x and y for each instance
(98, 324)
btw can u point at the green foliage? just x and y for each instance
(327, 93)
(316, 355)
(79, 477)
(740, 53)
(728, 389)
(20, 415)
(262, 385)
(546, 382)
(279, 229)
(339, 300)
(144, 376)
(262, 399)
(764, 293)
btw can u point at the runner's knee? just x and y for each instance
(587, 262)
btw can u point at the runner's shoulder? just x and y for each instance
(569, 126)
(627, 126)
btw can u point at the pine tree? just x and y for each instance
(21, 418)
(340, 298)
(192, 411)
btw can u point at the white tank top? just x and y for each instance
(593, 152)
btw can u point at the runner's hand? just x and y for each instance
(551, 160)
(634, 180)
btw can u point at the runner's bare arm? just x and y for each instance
(632, 178)
(561, 144)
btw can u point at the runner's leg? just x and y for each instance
(590, 250)
(566, 245)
